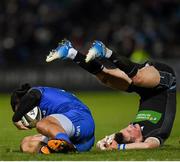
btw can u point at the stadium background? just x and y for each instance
(29, 29)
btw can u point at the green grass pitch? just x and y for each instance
(111, 111)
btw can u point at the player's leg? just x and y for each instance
(137, 72)
(98, 49)
(85, 146)
(59, 128)
(84, 129)
(32, 144)
(159, 75)
(167, 74)
(113, 78)
(65, 50)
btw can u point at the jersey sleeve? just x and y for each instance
(27, 103)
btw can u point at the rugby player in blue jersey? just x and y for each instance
(67, 123)
(154, 82)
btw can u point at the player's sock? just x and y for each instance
(124, 64)
(93, 66)
(63, 136)
(61, 143)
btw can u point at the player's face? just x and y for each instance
(132, 133)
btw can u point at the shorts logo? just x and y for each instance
(78, 131)
(152, 116)
(44, 112)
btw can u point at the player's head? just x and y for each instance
(18, 94)
(131, 134)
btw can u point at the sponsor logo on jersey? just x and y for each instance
(151, 116)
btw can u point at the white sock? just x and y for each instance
(108, 53)
(72, 53)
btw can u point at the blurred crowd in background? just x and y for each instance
(30, 28)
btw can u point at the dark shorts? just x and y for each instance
(167, 75)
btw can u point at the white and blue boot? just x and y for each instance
(98, 50)
(64, 51)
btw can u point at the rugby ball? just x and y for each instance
(32, 117)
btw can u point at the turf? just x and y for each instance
(111, 111)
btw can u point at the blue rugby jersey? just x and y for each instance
(54, 101)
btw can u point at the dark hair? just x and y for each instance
(119, 138)
(17, 94)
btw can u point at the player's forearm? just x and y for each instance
(135, 146)
(149, 143)
(141, 145)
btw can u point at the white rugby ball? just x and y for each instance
(32, 117)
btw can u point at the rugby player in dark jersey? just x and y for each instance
(154, 82)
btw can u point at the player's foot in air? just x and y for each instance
(98, 49)
(63, 51)
(60, 146)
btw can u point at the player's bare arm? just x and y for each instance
(149, 143)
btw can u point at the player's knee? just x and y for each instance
(44, 125)
(41, 125)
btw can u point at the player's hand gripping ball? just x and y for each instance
(32, 117)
